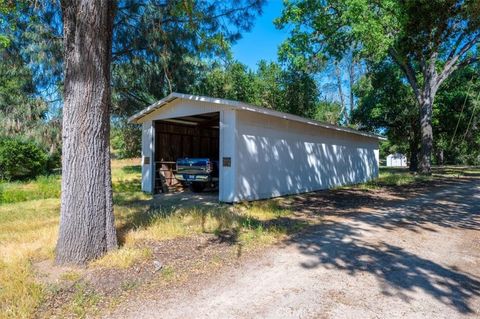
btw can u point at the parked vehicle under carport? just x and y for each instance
(197, 173)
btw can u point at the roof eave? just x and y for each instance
(246, 107)
(134, 119)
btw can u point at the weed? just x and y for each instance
(123, 258)
(129, 285)
(71, 276)
(19, 292)
(168, 273)
(83, 302)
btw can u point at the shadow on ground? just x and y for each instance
(203, 212)
(342, 245)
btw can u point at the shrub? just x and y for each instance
(54, 162)
(21, 159)
(126, 140)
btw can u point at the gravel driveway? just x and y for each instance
(393, 258)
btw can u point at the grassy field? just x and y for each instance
(29, 215)
(392, 176)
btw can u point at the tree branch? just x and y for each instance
(456, 45)
(454, 62)
(407, 68)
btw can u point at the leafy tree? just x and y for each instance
(160, 46)
(19, 109)
(270, 87)
(6, 22)
(300, 93)
(328, 112)
(126, 140)
(386, 105)
(428, 40)
(456, 118)
(288, 90)
(23, 112)
(234, 81)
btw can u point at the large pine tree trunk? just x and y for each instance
(86, 224)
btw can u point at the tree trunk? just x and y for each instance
(426, 106)
(414, 141)
(338, 75)
(441, 157)
(86, 223)
(351, 78)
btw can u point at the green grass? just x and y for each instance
(168, 273)
(391, 176)
(84, 301)
(42, 188)
(394, 177)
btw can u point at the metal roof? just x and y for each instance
(244, 107)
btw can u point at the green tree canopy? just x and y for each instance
(428, 40)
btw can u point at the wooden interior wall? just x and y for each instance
(173, 141)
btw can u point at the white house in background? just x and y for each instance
(396, 160)
(262, 153)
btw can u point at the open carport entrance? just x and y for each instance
(189, 136)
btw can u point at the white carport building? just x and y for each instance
(262, 153)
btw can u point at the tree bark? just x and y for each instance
(338, 75)
(426, 109)
(414, 142)
(351, 78)
(426, 135)
(86, 223)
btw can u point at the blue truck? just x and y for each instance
(197, 173)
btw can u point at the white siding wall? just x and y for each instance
(271, 156)
(277, 157)
(147, 151)
(228, 149)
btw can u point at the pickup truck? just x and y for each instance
(197, 173)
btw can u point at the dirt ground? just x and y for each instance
(411, 253)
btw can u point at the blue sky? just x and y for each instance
(263, 40)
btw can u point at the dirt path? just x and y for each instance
(415, 258)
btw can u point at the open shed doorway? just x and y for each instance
(196, 136)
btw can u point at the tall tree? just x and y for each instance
(428, 40)
(87, 224)
(456, 119)
(386, 104)
(87, 228)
